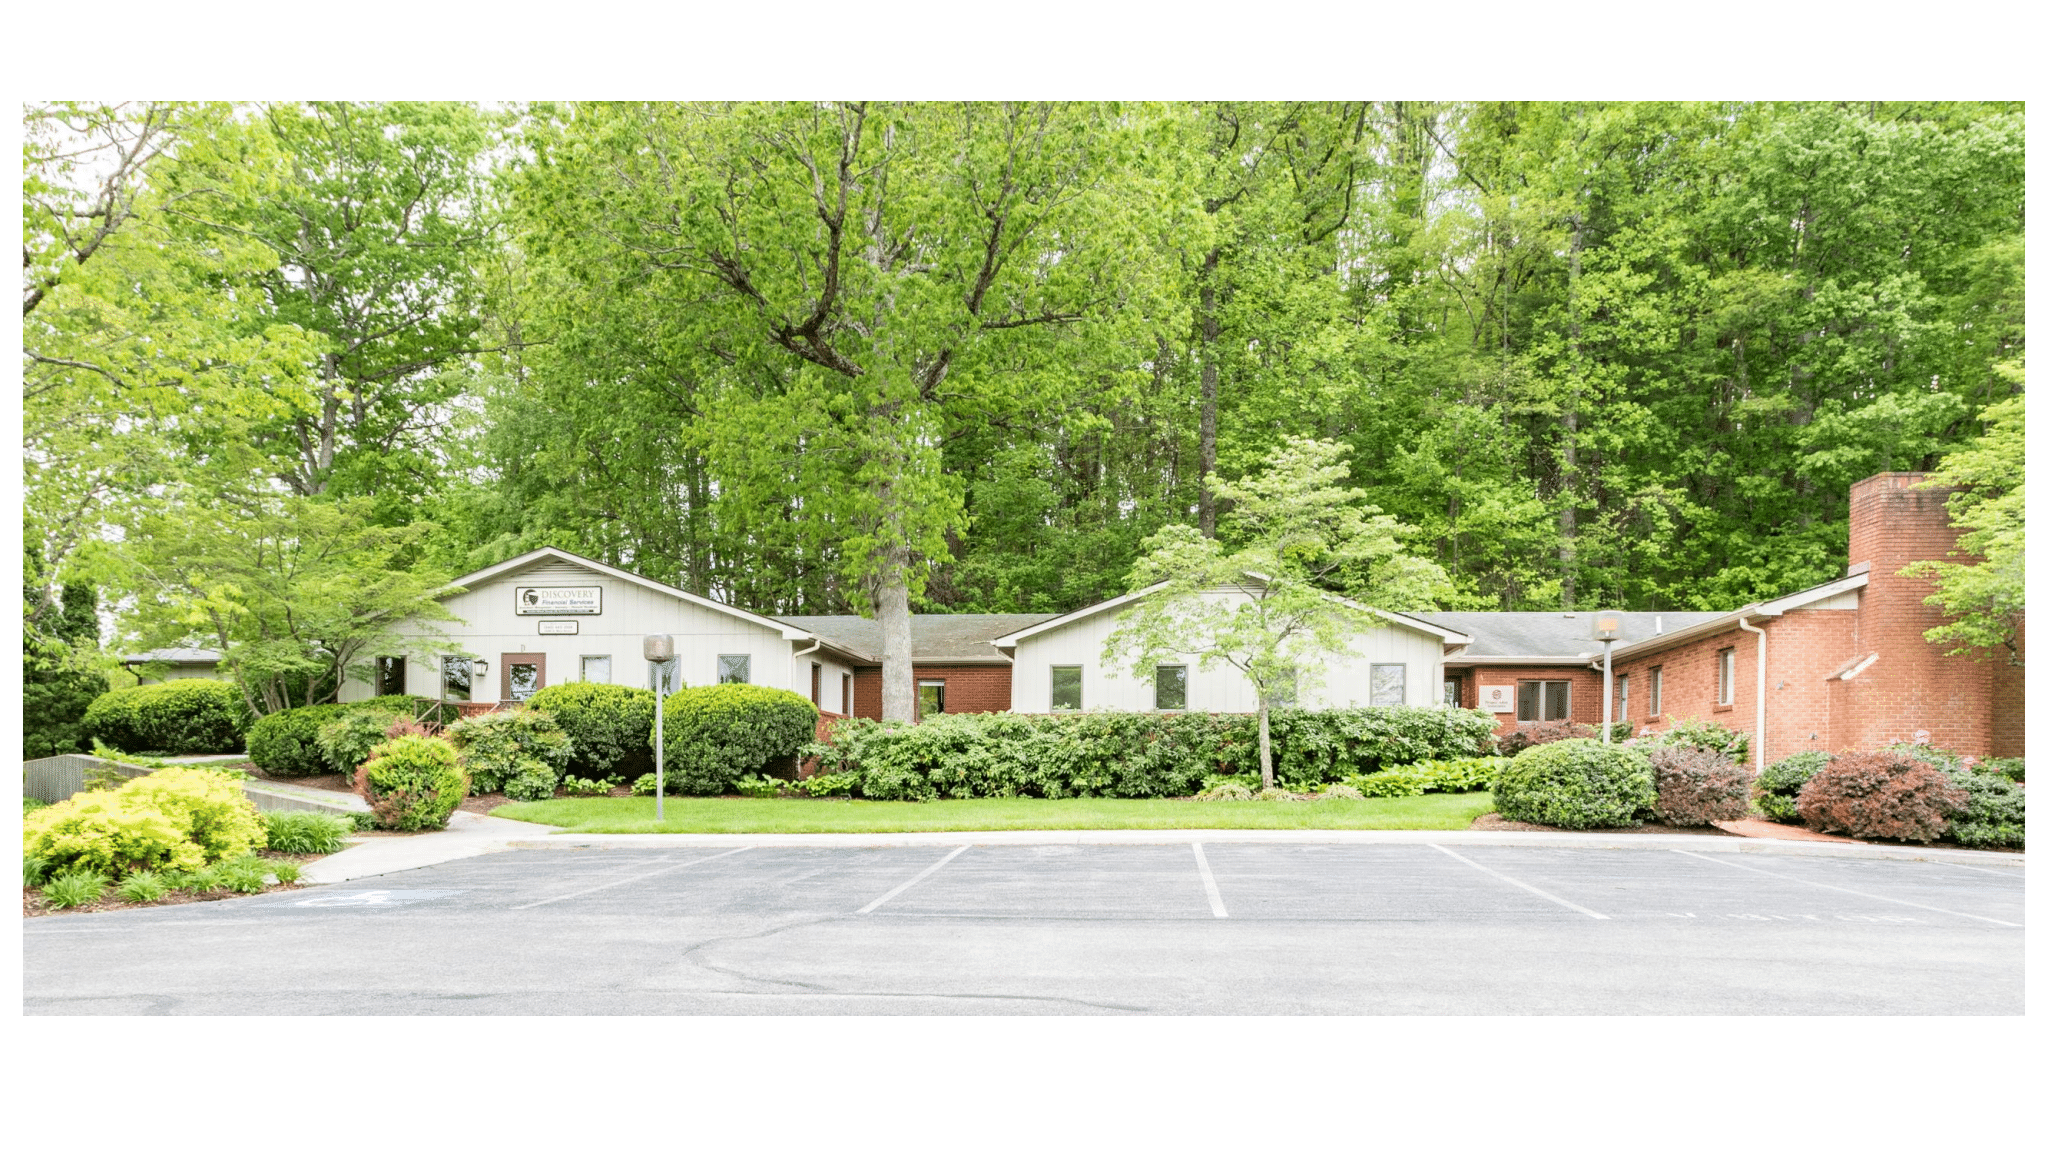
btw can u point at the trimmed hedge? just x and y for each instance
(1137, 754)
(1577, 784)
(287, 743)
(177, 716)
(611, 726)
(412, 783)
(1697, 787)
(713, 735)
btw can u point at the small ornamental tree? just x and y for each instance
(1270, 607)
(1985, 599)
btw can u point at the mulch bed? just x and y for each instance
(1492, 822)
(33, 903)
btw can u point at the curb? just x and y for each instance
(1611, 841)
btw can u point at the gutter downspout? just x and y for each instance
(1761, 680)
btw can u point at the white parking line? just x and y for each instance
(1518, 883)
(900, 889)
(2006, 874)
(627, 880)
(1850, 891)
(1209, 882)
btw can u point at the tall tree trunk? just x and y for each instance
(892, 612)
(1568, 487)
(1265, 745)
(1206, 509)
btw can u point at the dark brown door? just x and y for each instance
(521, 675)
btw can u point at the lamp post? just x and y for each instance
(1606, 628)
(659, 650)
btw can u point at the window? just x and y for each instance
(817, 677)
(931, 698)
(390, 675)
(454, 677)
(1544, 700)
(1656, 692)
(1621, 697)
(1066, 687)
(1389, 684)
(522, 679)
(846, 693)
(1453, 693)
(1170, 687)
(1724, 687)
(735, 669)
(597, 669)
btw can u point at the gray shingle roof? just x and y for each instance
(934, 638)
(1563, 635)
(174, 656)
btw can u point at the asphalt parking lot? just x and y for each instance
(1120, 929)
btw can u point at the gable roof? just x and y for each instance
(1412, 621)
(935, 638)
(174, 656)
(538, 555)
(1549, 637)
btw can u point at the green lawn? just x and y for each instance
(1433, 812)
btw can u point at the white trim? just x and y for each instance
(1728, 620)
(463, 583)
(1398, 619)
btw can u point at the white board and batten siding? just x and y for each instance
(490, 626)
(1346, 681)
(834, 693)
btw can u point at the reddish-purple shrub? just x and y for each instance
(1543, 732)
(1696, 786)
(1888, 795)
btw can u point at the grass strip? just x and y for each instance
(1433, 812)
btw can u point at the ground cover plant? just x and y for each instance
(306, 833)
(1577, 784)
(610, 726)
(1887, 794)
(412, 782)
(175, 717)
(1438, 812)
(522, 753)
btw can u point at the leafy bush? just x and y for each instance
(715, 734)
(71, 889)
(1885, 794)
(345, 741)
(143, 887)
(175, 717)
(610, 726)
(2013, 768)
(1313, 747)
(307, 833)
(1342, 792)
(759, 787)
(830, 783)
(286, 871)
(1577, 784)
(287, 743)
(244, 874)
(1539, 732)
(1707, 736)
(1471, 774)
(520, 753)
(412, 782)
(1391, 782)
(644, 785)
(1995, 815)
(1229, 790)
(1696, 787)
(578, 786)
(1777, 787)
(178, 818)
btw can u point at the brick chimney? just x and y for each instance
(1911, 686)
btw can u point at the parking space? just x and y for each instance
(1303, 928)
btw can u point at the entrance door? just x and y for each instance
(524, 674)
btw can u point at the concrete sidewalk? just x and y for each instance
(1619, 841)
(468, 834)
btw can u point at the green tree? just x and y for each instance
(1308, 565)
(1986, 600)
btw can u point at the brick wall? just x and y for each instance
(1585, 707)
(969, 687)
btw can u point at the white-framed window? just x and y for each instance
(390, 675)
(455, 677)
(931, 698)
(1389, 684)
(1543, 700)
(1066, 687)
(597, 669)
(1170, 687)
(735, 669)
(1656, 691)
(1621, 697)
(1724, 678)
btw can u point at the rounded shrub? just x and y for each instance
(499, 748)
(345, 740)
(177, 818)
(174, 717)
(1889, 795)
(716, 734)
(287, 743)
(1539, 732)
(610, 725)
(1777, 787)
(1577, 784)
(412, 782)
(1696, 786)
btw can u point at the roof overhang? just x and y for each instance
(1463, 660)
(1729, 620)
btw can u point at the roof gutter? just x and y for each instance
(1757, 744)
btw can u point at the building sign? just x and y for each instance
(1496, 697)
(559, 627)
(587, 601)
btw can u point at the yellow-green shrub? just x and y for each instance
(178, 819)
